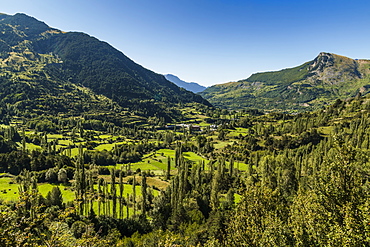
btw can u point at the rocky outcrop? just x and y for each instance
(332, 69)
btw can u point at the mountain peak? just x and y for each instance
(42, 61)
(333, 68)
(26, 25)
(308, 86)
(322, 61)
(190, 86)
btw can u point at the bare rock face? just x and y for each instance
(332, 69)
(322, 61)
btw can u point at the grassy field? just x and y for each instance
(157, 161)
(325, 130)
(68, 194)
(55, 136)
(107, 147)
(238, 131)
(65, 142)
(222, 144)
(9, 190)
(31, 146)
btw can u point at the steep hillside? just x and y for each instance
(190, 86)
(47, 68)
(305, 87)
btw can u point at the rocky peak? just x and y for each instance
(332, 69)
(322, 61)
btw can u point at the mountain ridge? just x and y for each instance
(308, 86)
(37, 56)
(190, 86)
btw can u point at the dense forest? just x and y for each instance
(219, 178)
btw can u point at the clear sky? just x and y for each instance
(213, 41)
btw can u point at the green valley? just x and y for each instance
(96, 150)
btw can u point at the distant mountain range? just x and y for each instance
(306, 87)
(190, 86)
(47, 70)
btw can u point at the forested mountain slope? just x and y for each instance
(305, 87)
(42, 67)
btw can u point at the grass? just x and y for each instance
(325, 130)
(111, 137)
(166, 152)
(238, 131)
(157, 161)
(68, 194)
(107, 147)
(55, 136)
(222, 144)
(74, 151)
(241, 166)
(31, 146)
(12, 193)
(8, 190)
(193, 157)
(143, 166)
(65, 142)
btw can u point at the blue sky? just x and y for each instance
(213, 41)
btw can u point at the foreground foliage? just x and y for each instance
(257, 180)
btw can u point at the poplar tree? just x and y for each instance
(168, 167)
(231, 166)
(121, 189)
(215, 189)
(113, 193)
(100, 194)
(144, 193)
(134, 194)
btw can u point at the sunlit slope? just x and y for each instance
(45, 69)
(305, 87)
